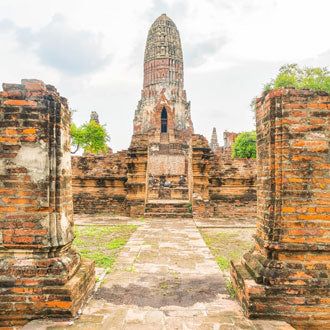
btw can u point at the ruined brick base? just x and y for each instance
(304, 303)
(39, 288)
(136, 208)
(168, 209)
(202, 209)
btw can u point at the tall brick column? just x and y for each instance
(137, 161)
(40, 275)
(201, 154)
(286, 275)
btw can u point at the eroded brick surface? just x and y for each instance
(98, 183)
(39, 273)
(286, 276)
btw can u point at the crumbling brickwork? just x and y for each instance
(98, 183)
(201, 163)
(286, 275)
(40, 275)
(137, 160)
(233, 187)
(228, 140)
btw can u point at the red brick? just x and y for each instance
(20, 102)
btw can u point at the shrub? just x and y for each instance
(245, 145)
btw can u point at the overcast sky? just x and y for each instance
(92, 52)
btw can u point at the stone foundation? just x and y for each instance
(40, 275)
(286, 275)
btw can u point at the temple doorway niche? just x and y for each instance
(163, 118)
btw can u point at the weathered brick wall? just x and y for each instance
(137, 161)
(162, 164)
(98, 183)
(201, 163)
(232, 187)
(286, 275)
(39, 274)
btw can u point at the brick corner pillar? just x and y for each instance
(201, 163)
(286, 275)
(40, 275)
(137, 163)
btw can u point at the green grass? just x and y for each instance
(223, 262)
(101, 259)
(231, 290)
(102, 243)
(115, 244)
(227, 244)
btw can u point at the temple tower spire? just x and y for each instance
(163, 83)
(214, 140)
(163, 62)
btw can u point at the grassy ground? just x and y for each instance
(228, 243)
(102, 243)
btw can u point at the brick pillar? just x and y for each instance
(137, 160)
(40, 275)
(286, 275)
(201, 155)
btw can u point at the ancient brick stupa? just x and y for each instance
(162, 118)
(168, 170)
(163, 107)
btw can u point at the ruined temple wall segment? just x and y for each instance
(233, 187)
(98, 183)
(40, 275)
(286, 275)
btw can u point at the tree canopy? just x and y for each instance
(291, 75)
(91, 136)
(245, 145)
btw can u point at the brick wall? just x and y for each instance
(39, 273)
(286, 275)
(232, 187)
(222, 186)
(98, 183)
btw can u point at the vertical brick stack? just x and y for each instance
(201, 155)
(137, 160)
(40, 275)
(286, 276)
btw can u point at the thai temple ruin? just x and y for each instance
(167, 171)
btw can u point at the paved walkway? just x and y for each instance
(164, 278)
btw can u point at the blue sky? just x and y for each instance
(93, 53)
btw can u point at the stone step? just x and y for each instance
(167, 215)
(168, 209)
(169, 201)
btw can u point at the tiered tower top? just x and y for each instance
(163, 61)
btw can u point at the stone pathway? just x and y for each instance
(164, 278)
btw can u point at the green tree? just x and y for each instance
(91, 136)
(245, 145)
(291, 75)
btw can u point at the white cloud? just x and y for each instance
(93, 52)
